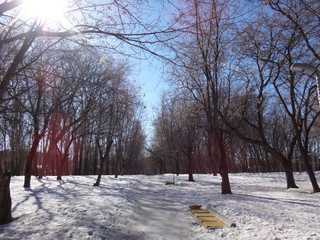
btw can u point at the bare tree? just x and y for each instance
(202, 52)
(254, 103)
(179, 125)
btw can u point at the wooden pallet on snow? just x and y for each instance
(210, 219)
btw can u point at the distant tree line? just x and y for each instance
(62, 110)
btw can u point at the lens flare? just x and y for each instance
(49, 12)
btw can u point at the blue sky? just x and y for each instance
(151, 78)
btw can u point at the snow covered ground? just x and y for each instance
(143, 207)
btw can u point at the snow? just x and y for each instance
(143, 207)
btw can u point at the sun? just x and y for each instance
(48, 12)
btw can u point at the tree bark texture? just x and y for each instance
(5, 197)
(190, 167)
(102, 160)
(30, 160)
(311, 174)
(221, 158)
(289, 174)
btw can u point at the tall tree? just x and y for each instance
(202, 51)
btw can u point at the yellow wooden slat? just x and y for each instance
(203, 214)
(208, 219)
(213, 224)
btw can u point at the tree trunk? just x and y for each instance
(289, 174)
(107, 166)
(102, 160)
(29, 163)
(223, 170)
(190, 167)
(210, 154)
(221, 158)
(177, 166)
(287, 165)
(311, 174)
(304, 153)
(5, 197)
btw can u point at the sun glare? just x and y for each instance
(50, 12)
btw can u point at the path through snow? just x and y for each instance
(157, 214)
